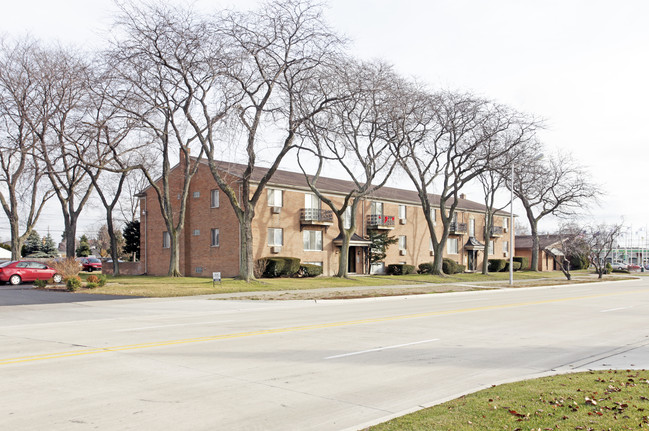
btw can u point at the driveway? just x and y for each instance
(25, 294)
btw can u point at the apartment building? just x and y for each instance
(291, 221)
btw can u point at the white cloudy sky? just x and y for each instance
(582, 65)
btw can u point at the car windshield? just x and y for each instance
(93, 260)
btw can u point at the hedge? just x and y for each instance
(497, 265)
(525, 262)
(449, 266)
(426, 268)
(308, 270)
(516, 266)
(281, 266)
(400, 269)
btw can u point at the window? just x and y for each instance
(402, 212)
(214, 199)
(454, 218)
(472, 227)
(197, 195)
(166, 240)
(215, 237)
(402, 242)
(311, 201)
(275, 236)
(347, 218)
(505, 223)
(274, 198)
(433, 215)
(199, 269)
(431, 244)
(312, 240)
(492, 248)
(196, 232)
(506, 248)
(451, 246)
(376, 208)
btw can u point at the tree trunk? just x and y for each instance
(174, 255)
(70, 237)
(487, 240)
(534, 266)
(438, 259)
(246, 258)
(113, 242)
(16, 243)
(344, 254)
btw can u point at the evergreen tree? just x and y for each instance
(380, 243)
(32, 245)
(84, 247)
(132, 238)
(49, 248)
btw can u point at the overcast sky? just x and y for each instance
(583, 66)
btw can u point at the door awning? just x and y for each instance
(473, 244)
(355, 240)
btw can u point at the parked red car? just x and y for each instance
(15, 272)
(90, 264)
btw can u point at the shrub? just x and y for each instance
(73, 283)
(525, 262)
(426, 268)
(259, 267)
(92, 279)
(609, 268)
(497, 265)
(101, 280)
(400, 269)
(40, 283)
(281, 266)
(516, 266)
(91, 285)
(579, 261)
(308, 270)
(449, 266)
(66, 267)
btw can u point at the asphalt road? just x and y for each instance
(25, 294)
(200, 364)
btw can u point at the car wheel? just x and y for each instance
(15, 279)
(90, 269)
(57, 278)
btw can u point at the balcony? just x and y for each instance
(457, 228)
(380, 222)
(496, 231)
(316, 217)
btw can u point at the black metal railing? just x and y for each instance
(317, 215)
(458, 227)
(496, 230)
(377, 220)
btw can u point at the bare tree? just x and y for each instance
(601, 239)
(572, 243)
(555, 185)
(23, 109)
(461, 142)
(355, 134)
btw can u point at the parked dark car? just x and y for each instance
(90, 264)
(16, 272)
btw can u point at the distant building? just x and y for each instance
(549, 247)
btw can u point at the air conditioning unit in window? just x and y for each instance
(432, 253)
(402, 221)
(505, 253)
(402, 252)
(276, 249)
(275, 210)
(504, 229)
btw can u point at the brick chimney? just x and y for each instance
(462, 196)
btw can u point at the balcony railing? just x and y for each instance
(377, 221)
(496, 231)
(316, 216)
(457, 228)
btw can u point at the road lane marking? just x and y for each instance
(616, 309)
(92, 351)
(378, 349)
(176, 324)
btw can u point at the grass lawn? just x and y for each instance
(185, 286)
(594, 400)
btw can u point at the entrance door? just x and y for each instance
(470, 263)
(351, 260)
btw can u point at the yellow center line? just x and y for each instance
(72, 353)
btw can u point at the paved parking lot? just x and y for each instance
(25, 294)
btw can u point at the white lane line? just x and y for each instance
(381, 348)
(167, 326)
(616, 309)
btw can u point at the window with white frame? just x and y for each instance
(196, 232)
(492, 248)
(506, 223)
(472, 227)
(197, 195)
(403, 242)
(347, 218)
(215, 237)
(274, 198)
(311, 201)
(166, 240)
(506, 248)
(214, 198)
(402, 212)
(312, 240)
(452, 246)
(376, 208)
(275, 236)
(431, 244)
(433, 215)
